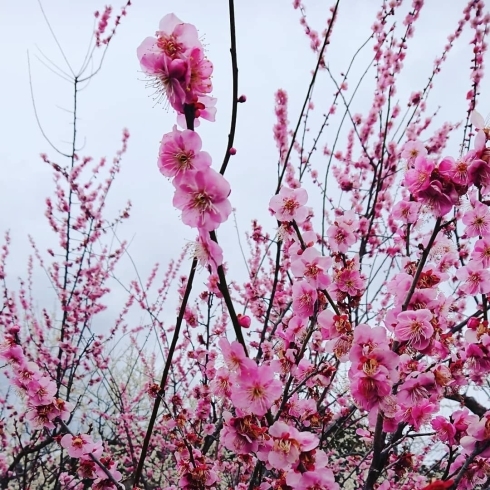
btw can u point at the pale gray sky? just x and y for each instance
(273, 53)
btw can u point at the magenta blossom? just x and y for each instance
(202, 196)
(174, 38)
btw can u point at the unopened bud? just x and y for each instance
(242, 99)
(232, 151)
(244, 320)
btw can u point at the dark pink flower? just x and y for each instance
(241, 434)
(439, 198)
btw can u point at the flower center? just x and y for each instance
(201, 201)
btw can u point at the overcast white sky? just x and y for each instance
(273, 53)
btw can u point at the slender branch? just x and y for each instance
(223, 287)
(166, 370)
(234, 70)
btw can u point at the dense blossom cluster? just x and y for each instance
(45, 410)
(363, 336)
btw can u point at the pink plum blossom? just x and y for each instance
(313, 267)
(288, 444)
(202, 196)
(418, 178)
(477, 220)
(77, 446)
(475, 279)
(304, 299)
(288, 205)
(481, 252)
(412, 149)
(180, 151)
(415, 328)
(256, 390)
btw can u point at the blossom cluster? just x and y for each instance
(176, 61)
(45, 410)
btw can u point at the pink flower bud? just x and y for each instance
(242, 99)
(244, 320)
(232, 151)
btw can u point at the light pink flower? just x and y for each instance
(313, 267)
(477, 220)
(415, 328)
(288, 444)
(477, 432)
(208, 252)
(202, 196)
(418, 177)
(340, 238)
(180, 151)
(412, 149)
(456, 170)
(481, 252)
(234, 356)
(77, 446)
(476, 280)
(201, 70)
(406, 211)
(312, 480)
(350, 282)
(256, 390)
(41, 391)
(176, 37)
(288, 205)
